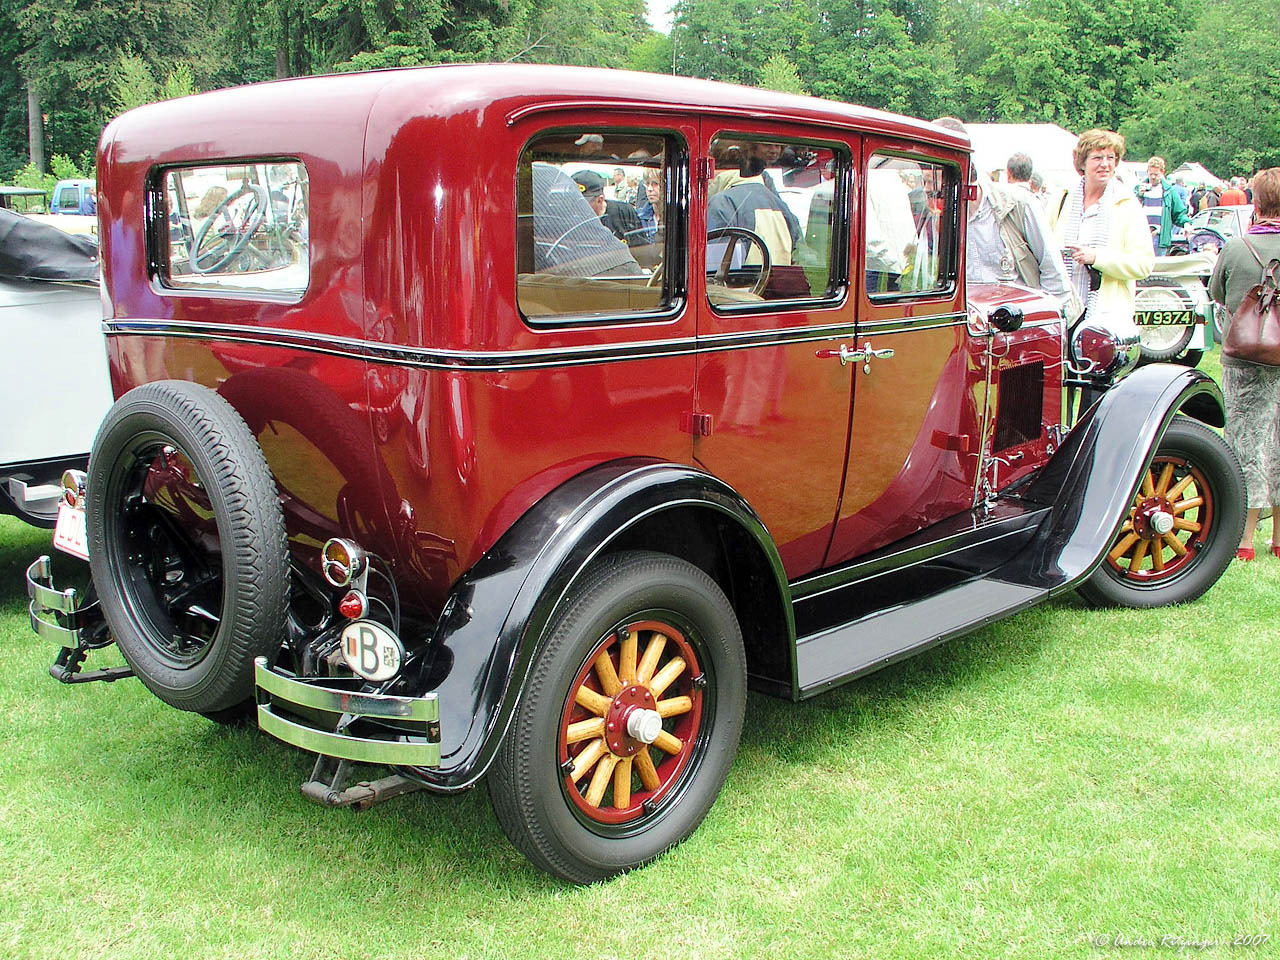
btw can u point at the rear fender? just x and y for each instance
(492, 624)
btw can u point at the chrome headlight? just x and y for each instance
(1102, 353)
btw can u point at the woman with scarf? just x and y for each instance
(1103, 234)
(1252, 391)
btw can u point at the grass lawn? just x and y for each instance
(1065, 775)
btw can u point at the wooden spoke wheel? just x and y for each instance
(628, 721)
(1183, 525)
(1171, 521)
(631, 723)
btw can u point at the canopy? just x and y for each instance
(1049, 146)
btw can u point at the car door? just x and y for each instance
(918, 392)
(771, 413)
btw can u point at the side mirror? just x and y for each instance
(1006, 319)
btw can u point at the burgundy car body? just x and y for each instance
(403, 400)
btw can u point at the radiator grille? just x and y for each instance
(1020, 405)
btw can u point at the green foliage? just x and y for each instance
(60, 168)
(779, 73)
(1218, 101)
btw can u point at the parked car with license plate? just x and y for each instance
(418, 463)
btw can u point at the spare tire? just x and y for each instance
(187, 544)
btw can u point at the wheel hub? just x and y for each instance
(631, 722)
(1153, 518)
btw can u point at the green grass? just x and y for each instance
(1062, 775)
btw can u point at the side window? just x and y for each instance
(771, 230)
(239, 227)
(596, 225)
(909, 234)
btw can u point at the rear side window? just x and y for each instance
(909, 239)
(240, 227)
(597, 233)
(773, 233)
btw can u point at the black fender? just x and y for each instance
(1091, 480)
(494, 619)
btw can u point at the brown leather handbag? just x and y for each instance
(1254, 334)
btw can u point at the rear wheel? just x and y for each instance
(628, 723)
(187, 545)
(1183, 527)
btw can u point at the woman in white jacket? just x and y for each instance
(1103, 233)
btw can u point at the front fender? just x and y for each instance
(491, 626)
(1091, 480)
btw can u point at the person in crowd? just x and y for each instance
(1103, 233)
(1038, 189)
(1008, 235)
(1193, 201)
(618, 215)
(1018, 170)
(1180, 185)
(1234, 195)
(1252, 391)
(1163, 204)
(617, 188)
(653, 206)
(1208, 199)
(745, 200)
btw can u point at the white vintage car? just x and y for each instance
(54, 387)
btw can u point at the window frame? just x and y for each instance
(839, 251)
(155, 212)
(949, 266)
(676, 241)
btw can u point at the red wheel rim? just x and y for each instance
(1175, 488)
(611, 776)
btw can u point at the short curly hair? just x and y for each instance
(1092, 140)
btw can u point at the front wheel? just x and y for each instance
(1183, 527)
(629, 720)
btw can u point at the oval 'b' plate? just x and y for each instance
(371, 650)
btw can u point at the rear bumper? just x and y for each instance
(362, 727)
(56, 615)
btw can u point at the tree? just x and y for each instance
(779, 73)
(1219, 102)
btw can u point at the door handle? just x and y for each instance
(863, 355)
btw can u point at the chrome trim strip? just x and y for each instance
(41, 590)
(499, 360)
(397, 753)
(423, 709)
(48, 630)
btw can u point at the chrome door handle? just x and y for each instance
(863, 355)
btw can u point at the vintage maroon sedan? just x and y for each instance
(427, 456)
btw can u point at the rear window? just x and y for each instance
(240, 227)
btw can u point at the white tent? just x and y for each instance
(1049, 146)
(1194, 175)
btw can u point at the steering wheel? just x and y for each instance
(228, 247)
(738, 235)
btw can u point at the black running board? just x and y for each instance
(847, 652)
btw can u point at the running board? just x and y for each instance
(844, 653)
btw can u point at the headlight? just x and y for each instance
(1104, 354)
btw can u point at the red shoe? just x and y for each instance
(1275, 549)
(1246, 553)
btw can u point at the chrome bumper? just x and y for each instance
(54, 613)
(405, 731)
